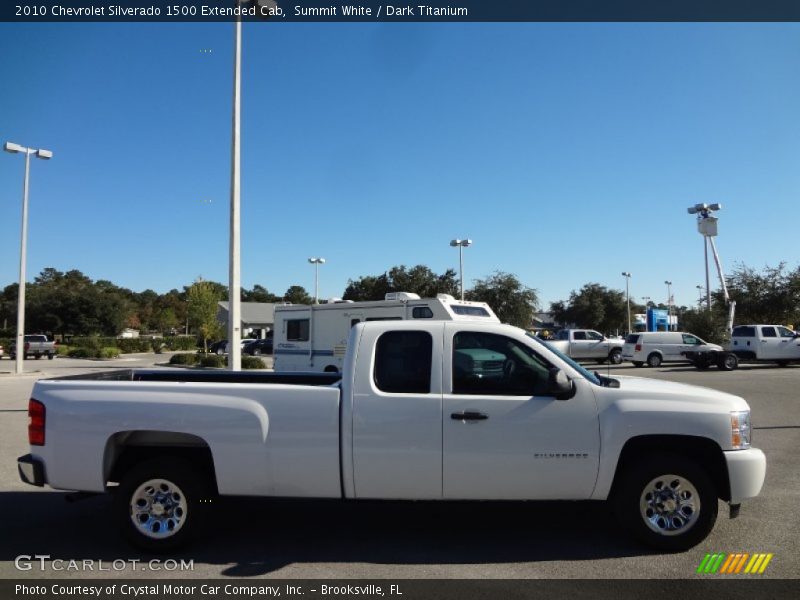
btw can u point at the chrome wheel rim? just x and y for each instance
(158, 508)
(670, 505)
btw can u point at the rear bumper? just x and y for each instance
(31, 470)
(746, 472)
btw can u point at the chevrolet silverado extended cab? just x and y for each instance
(587, 344)
(438, 410)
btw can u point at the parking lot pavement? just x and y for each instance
(319, 539)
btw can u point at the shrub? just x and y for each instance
(212, 360)
(184, 358)
(81, 352)
(94, 341)
(252, 362)
(108, 352)
(180, 342)
(62, 350)
(128, 345)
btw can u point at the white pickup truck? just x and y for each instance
(588, 344)
(438, 410)
(36, 346)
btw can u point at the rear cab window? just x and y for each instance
(744, 331)
(403, 362)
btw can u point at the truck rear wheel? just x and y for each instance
(666, 501)
(159, 504)
(615, 356)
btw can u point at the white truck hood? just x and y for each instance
(657, 390)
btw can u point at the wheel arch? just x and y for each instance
(705, 452)
(125, 449)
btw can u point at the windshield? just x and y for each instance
(583, 371)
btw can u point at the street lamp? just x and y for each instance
(461, 245)
(669, 305)
(265, 9)
(316, 262)
(627, 277)
(43, 154)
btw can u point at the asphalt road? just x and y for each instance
(267, 538)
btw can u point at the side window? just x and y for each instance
(563, 335)
(768, 332)
(785, 332)
(690, 339)
(594, 336)
(403, 362)
(744, 331)
(297, 330)
(579, 335)
(421, 312)
(489, 364)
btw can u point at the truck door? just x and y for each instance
(397, 415)
(789, 344)
(769, 346)
(504, 438)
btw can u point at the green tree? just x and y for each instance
(768, 296)
(593, 307)
(511, 301)
(297, 294)
(418, 280)
(202, 298)
(259, 294)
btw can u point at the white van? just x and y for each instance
(314, 338)
(656, 347)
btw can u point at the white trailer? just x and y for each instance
(314, 338)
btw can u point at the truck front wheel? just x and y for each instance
(667, 501)
(159, 504)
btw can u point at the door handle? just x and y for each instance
(469, 415)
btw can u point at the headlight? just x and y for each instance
(740, 430)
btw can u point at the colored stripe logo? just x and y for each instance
(734, 564)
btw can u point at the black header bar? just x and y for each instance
(412, 11)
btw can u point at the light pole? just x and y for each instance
(316, 262)
(669, 305)
(461, 245)
(627, 277)
(43, 154)
(235, 259)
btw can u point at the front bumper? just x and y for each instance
(31, 470)
(746, 472)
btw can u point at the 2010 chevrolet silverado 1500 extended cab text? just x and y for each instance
(440, 410)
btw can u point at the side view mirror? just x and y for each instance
(559, 385)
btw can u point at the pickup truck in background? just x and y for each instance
(752, 343)
(433, 410)
(587, 344)
(36, 346)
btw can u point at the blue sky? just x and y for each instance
(567, 152)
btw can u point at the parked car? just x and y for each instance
(656, 347)
(587, 344)
(36, 346)
(414, 417)
(218, 347)
(765, 343)
(258, 347)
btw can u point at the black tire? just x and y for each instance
(637, 363)
(50, 356)
(331, 369)
(729, 362)
(615, 356)
(654, 360)
(38, 356)
(184, 514)
(648, 517)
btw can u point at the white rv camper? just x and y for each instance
(314, 338)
